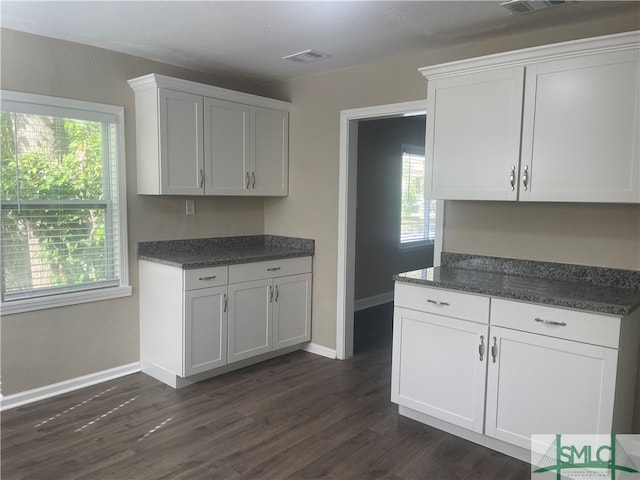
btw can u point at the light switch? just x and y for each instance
(191, 207)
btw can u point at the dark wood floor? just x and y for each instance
(300, 416)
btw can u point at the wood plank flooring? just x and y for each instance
(300, 416)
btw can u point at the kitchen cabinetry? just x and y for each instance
(546, 369)
(270, 306)
(205, 329)
(202, 322)
(183, 318)
(473, 134)
(440, 338)
(553, 123)
(195, 139)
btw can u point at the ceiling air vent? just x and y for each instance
(306, 56)
(520, 7)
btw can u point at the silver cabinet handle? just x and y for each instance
(253, 177)
(525, 177)
(436, 302)
(270, 294)
(512, 178)
(226, 303)
(494, 350)
(201, 178)
(277, 293)
(274, 269)
(551, 322)
(210, 277)
(481, 348)
(248, 180)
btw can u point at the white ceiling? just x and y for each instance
(248, 38)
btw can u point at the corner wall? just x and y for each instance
(311, 210)
(43, 347)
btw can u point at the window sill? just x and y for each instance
(65, 299)
(415, 246)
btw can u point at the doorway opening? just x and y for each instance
(349, 133)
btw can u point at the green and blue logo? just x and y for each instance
(583, 456)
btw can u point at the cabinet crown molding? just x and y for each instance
(155, 80)
(527, 56)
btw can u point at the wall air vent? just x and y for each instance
(306, 56)
(520, 7)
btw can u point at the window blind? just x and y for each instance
(59, 200)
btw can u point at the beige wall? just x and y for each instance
(48, 346)
(312, 206)
(379, 201)
(586, 234)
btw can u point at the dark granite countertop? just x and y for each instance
(219, 251)
(593, 289)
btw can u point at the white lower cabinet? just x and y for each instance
(540, 385)
(251, 319)
(446, 352)
(519, 370)
(271, 313)
(196, 323)
(205, 329)
(292, 310)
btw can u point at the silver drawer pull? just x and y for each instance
(274, 269)
(436, 302)
(494, 350)
(551, 322)
(210, 277)
(481, 348)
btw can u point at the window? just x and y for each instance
(62, 198)
(418, 214)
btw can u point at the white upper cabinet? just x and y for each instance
(580, 129)
(181, 168)
(473, 134)
(557, 123)
(195, 139)
(227, 147)
(270, 153)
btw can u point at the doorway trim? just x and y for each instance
(347, 214)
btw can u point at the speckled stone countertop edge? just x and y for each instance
(570, 303)
(579, 287)
(221, 262)
(219, 251)
(609, 277)
(194, 245)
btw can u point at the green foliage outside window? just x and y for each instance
(52, 184)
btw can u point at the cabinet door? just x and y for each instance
(226, 148)
(250, 319)
(269, 175)
(545, 385)
(439, 370)
(581, 130)
(205, 329)
(181, 158)
(292, 310)
(473, 135)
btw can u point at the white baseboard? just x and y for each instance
(373, 301)
(41, 393)
(320, 350)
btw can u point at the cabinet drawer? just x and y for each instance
(205, 277)
(557, 322)
(442, 302)
(273, 268)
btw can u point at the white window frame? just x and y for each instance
(39, 104)
(415, 244)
